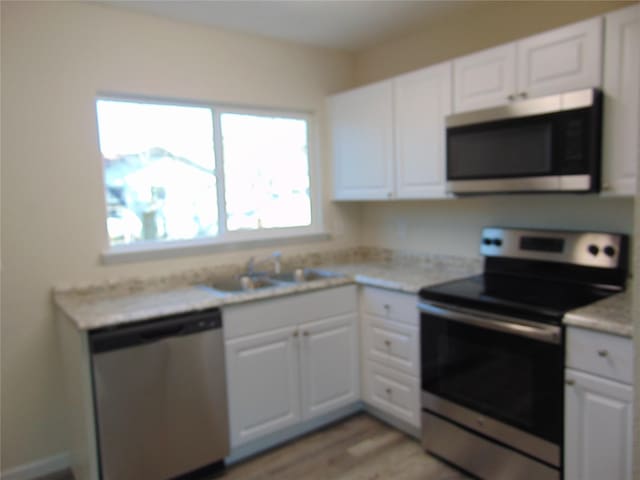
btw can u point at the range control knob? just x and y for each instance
(609, 251)
(497, 242)
(593, 250)
(486, 241)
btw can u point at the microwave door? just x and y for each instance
(500, 151)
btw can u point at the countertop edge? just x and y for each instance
(611, 315)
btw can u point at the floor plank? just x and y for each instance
(359, 448)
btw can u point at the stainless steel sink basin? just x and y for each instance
(249, 283)
(300, 275)
(244, 283)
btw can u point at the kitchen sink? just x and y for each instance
(243, 283)
(249, 283)
(300, 275)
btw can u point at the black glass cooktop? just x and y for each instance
(532, 299)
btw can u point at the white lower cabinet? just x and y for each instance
(391, 354)
(598, 407)
(329, 364)
(290, 359)
(598, 428)
(263, 382)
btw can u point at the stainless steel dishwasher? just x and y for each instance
(160, 398)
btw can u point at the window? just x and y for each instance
(176, 173)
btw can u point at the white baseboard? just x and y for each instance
(39, 468)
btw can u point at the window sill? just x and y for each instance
(144, 252)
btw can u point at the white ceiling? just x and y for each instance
(344, 24)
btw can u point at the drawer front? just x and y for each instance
(281, 312)
(601, 354)
(394, 393)
(393, 344)
(400, 307)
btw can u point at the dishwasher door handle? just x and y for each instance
(159, 333)
(140, 333)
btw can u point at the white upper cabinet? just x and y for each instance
(422, 101)
(485, 79)
(565, 59)
(361, 123)
(560, 60)
(389, 138)
(621, 144)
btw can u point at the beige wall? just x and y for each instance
(55, 57)
(480, 25)
(453, 226)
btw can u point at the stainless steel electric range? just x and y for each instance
(492, 349)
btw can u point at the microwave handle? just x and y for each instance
(521, 328)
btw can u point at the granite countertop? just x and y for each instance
(611, 315)
(91, 310)
(397, 276)
(103, 305)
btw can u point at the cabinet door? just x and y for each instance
(263, 383)
(598, 428)
(329, 364)
(561, 60)
(621, 150)
(362, 141)
(484, 79)
(422, 100)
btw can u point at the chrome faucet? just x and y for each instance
(277, 266)
(251, 266)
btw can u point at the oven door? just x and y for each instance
(498, 376)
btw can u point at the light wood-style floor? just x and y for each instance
(359, 448)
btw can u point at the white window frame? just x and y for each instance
(225, 240)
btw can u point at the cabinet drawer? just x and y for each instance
(392, 344)
(264, 315)
(401, 307)
(599, 353)
(394, 393)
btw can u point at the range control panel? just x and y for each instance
(592, 249)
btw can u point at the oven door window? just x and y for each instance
(510, 378)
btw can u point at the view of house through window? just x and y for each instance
(162, 178)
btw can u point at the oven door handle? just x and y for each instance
(521, 328)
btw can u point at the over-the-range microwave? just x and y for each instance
(547, 144)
